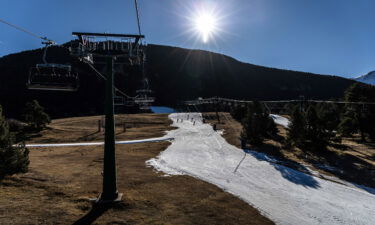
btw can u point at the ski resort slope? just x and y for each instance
(284, 195)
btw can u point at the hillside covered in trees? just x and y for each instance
(175, 74)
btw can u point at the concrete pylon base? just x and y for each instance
(100, 201)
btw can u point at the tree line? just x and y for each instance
(313, 126)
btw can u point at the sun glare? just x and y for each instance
(205, 24)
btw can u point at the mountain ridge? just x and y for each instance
(176, 74)
(368, 78)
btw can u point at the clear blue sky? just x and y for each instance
(320, 36)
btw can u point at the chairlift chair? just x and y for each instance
(144, 99)
(144, 107)
(122, 101)
(144, 91)
(52, 77)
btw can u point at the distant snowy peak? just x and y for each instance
(368, 78)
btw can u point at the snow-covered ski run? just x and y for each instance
(282, 194)
(98, 143)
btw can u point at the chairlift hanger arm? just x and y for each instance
(136, 42)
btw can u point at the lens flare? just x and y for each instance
(205, 24)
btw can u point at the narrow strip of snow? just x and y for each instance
(284, 195)
(280, 120)
(99, 143)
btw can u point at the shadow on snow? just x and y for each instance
(293, 175)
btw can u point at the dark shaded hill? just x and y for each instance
(186, 74)
(176, 74)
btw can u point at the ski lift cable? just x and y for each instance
(47, 42)
(277, 101)
(139, 31)
(27, 32)
(138, 20)
(104, 78)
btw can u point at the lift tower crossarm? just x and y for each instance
(137, 36)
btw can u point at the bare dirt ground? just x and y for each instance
(349, 160)
(61, 180)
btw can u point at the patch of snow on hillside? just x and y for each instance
(280, 120)
(284, 195)
(368, 78)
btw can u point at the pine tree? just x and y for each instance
(315, 135)
(257, 125)
(13, 159)
(307, 130)
(238, 112)
(368, 113)
(296, 129)
(329, 119)
(358, 118)
(348, 122)
(35, 115)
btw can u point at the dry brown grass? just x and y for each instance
(61, 180)
(354, 161)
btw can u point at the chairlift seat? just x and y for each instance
(53, 66)
(52, 77)
(50, 87)
(144, 91)
(144, 107)
(144, 100)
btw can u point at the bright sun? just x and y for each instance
(205, 24)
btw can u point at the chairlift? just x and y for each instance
(122, 101)
(144, 99)
(143, 91)
(52, 76)
(144, 107)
